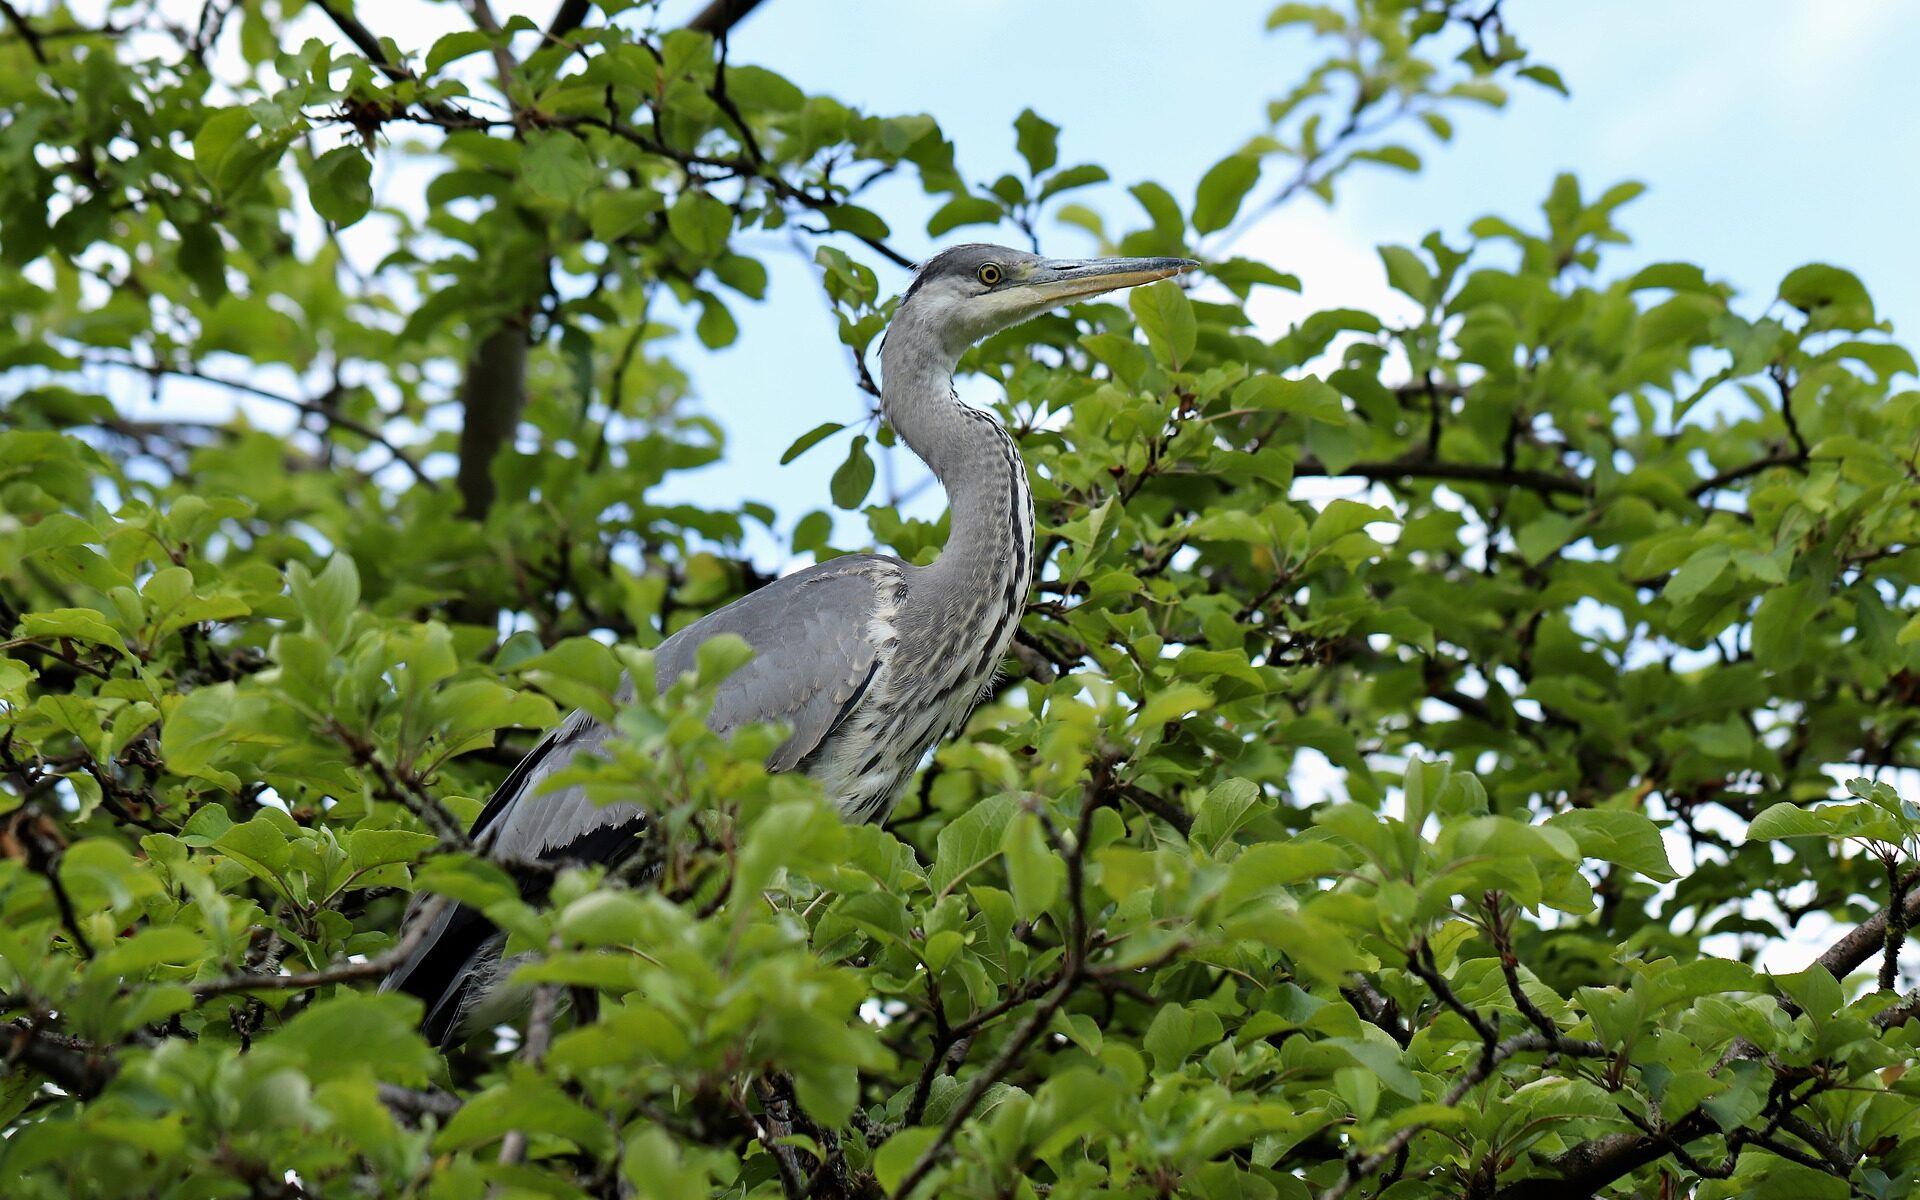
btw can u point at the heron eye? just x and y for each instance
(989, 274)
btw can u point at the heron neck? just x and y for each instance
(973, 458)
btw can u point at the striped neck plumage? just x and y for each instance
(974, 459)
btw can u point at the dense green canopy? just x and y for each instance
(1633, 587)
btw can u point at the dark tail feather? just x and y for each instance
(453, 963)
(440, 970)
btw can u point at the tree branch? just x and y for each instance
(27, 32)
(1417, 467)
(1519, 1043)
(369, 45)
(491, 399)
(1591, 1165)
(311, 408)
(79, 1069)
(342, 972)
(719, 17)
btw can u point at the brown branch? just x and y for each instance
(1073, 970)
(503, 64)
(568, 17)
(341, 972)
(368, 44)
(546, 1003)
(1420, 962)
(1735, 474)
(405, 789)
(44, 850)
(1784, 385)
(772, 1132)
(491, 399)
(1160, 807)
(1906, 1010)
(1376, 1008)
(1895, 933)
(1846, 955)
(719, 17)
(989, 1075)
(1833, 1157)
(1545, 483)
(1592, 1165)
(414, 1104)
(1501, 929)
(311, 408)
(80, 1069)
(27, 32)
(1519, 1043)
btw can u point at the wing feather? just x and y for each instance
(814, 658)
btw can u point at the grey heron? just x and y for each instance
(868, 660)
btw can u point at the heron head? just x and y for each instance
(963, 294)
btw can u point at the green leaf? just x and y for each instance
(80, 624)
(340, 184)
(1221, 191)
(327, 600)
(716, 327)
(1037, 140)
(1228, 805)
(613, 213)
(1540, 538)
(353, 1032)
(1398, 157)
(699, 222)
(810, 439)
(1033, 869)
(1069, 178)
(1177, 1031)
(370, 848)
(757, 89)
(963, 210)
(456, 45)
(555, 165)
(1700, 572)
(195, 734)
(1171, 703)
(969, 842)
(1832, 297)
(1407, 274)
(1815, 990)
(1546, 77)
(1320, 17)
(898, 1153)
(853, 479)
(259, 845)
(1166, 317)
(1621, 836)
(1311, 398)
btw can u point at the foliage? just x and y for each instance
(1625, 564)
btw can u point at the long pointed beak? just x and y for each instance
(1058, 280)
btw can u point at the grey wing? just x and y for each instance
(455, 964)
(814, 657)
(814, 651)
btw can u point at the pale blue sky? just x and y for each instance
(1770, 133)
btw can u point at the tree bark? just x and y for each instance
(491, 399)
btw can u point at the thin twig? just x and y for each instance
(1519, 1043)
(325, 413)
(340, 972)
(27, 32)
(546, 1004)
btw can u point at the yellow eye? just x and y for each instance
(989, 274)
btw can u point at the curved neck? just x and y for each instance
(972, 457)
